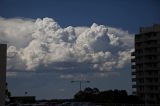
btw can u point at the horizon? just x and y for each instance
(51, 43)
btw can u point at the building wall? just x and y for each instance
(3, 48)
(146, 64)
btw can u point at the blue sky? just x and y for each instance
(126, 16)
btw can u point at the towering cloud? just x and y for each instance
(44, 43)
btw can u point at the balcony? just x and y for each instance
(150, 68)
(151, 53)
(140, 62)
(151, 83)
(139, 77)
(133, 73)
(133, 54)
(147, 75)
(139, 47)
(134, 86)
(133, 60)
(133, 66)
(134, 92)
(151, 91)
(150, 45)
(139, 38)
(134, 79)
(147, 38)
(150, 61)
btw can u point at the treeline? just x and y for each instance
(109, 96)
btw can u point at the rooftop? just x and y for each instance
(154, 28)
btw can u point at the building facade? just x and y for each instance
(146, 65)
(3, 49)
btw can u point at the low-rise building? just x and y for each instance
(23, 99)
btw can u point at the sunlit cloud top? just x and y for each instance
(33, 44)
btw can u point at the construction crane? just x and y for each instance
(80, 82)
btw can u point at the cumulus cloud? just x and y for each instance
(11, 74)
(87, 76)
(76, 76)
(44, 43)
(16, 32)
(104, 74)
(66, 76)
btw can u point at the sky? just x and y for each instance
(52, 42)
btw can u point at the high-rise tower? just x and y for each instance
(146, 64)
(3, 49)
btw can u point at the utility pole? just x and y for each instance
(80, 83)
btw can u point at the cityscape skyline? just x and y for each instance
(106, 27)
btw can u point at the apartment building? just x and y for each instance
(3, 49)
(146, 64)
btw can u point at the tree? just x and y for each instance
(96, 90)
(108, 96)
(88, 90)
(88, 94)
(8, 93)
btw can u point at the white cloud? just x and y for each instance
(87, 76)
(124, 57)
(77, 76)
(104, 74)
(42, 42)
(11, 74)
(16, 32)
(66, 76)
(61, 90)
